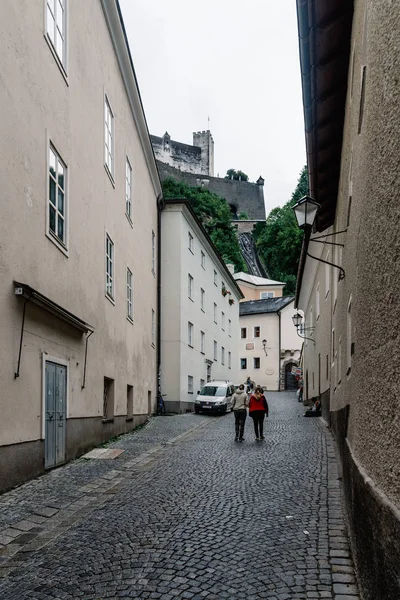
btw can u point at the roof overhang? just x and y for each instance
(324, 43)
(24, 290)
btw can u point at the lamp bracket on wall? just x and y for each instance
(341, 270)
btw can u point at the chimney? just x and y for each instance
(231, 268)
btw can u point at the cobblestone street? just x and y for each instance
(185, 512)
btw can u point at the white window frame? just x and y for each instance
(190, 287)
(202, 342)
(245, 336)
(245, 364)
(254, 331)
(190, 242)
(153, 252)
(215, 278)
(223, 320)
(215, 351)
(128, 190)
(203, 260)
(222, 355)
(202, 298)
(110, 270)
(229, 360)
(266, 295)
(190, 334)
(109, 138)
(190, 384)
(51, 11)
(129, 294)
(62, 244)
(229, 328)
(153, 327)
(215, 312)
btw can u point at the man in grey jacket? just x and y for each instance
(240, 403)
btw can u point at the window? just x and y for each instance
(56, 27)
(317, 310)
(215, 277)
(190, 286)
(153, 252)
(215, 313)
(109, 267)
(191, 242)
(327, 366)
(128, 190)
(202, 383)
(215, 350)
(190, 334)
(229, 327)
(129, 294)
(108, 137)
(256, 361)
(243, 363)
(129, 401)
(190, 384)
(333, 347)
(108, 398)
(243, 333)
(202, 298)
(57, 199)
(223, 320)
(153, 326)
(327, 274)
(203, 260)
(349, 348)
(222, 355)
(202, 342)
(257, 331)
(264, 295)
(229, 360)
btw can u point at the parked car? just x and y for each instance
(216, 396)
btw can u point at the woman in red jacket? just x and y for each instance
(258, 408)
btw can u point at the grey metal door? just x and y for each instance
(56, 399)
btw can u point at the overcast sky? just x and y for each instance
(233, 61)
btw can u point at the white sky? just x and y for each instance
(236, 62)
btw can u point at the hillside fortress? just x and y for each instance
(194, 165)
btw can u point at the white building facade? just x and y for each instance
(200, 310)
(78, 233)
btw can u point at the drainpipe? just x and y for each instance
(279, 353)
(160, 206)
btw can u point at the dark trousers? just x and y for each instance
(240, 418)
(258, 420)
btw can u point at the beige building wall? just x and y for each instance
(41, 105)
(251, 347)
(255, 293)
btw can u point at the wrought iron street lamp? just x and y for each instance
(297, 319)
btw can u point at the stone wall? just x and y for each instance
(198, 158)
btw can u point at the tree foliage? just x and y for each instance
(279, 239)
(215, 216)
(233, 174)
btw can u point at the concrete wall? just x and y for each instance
(178, 359)
(244, 196)
(41, 104)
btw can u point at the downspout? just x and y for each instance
(160, 206)
(279, 352)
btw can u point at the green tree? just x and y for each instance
(233, 174)
(215, 216)
(243, 216)
(279, 239)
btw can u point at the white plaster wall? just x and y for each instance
(269, 372)
(37, 106)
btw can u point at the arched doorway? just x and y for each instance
(290, 378)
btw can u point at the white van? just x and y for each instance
(216, 396)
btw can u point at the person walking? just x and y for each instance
(240, 403)
(258, 408)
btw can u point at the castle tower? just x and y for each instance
(204, 140)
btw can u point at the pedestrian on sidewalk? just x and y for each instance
(240, 404)
(258, 408)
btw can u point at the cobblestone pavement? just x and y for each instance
(185, 512)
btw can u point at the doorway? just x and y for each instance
(55, 404)
(290, 378)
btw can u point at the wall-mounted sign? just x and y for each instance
(250, 346)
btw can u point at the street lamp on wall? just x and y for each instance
(264, 343)
(297, 322)
(305, 211)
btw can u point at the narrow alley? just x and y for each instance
(184, 512)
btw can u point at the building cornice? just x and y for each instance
(116, 28)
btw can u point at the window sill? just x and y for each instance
(191, 251)
(202, 310)
(107, 170)
(190, 393)
(108, 420)
(110, 299)
(203, 267)
(191, 299)
(216, 284)
(56, 58)
(129, 220)
(190, 346)
(129, 419)
(348, 372)
(58, 244)
(203, 355)
(153, 345)
(130, 320)
(153, 272)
